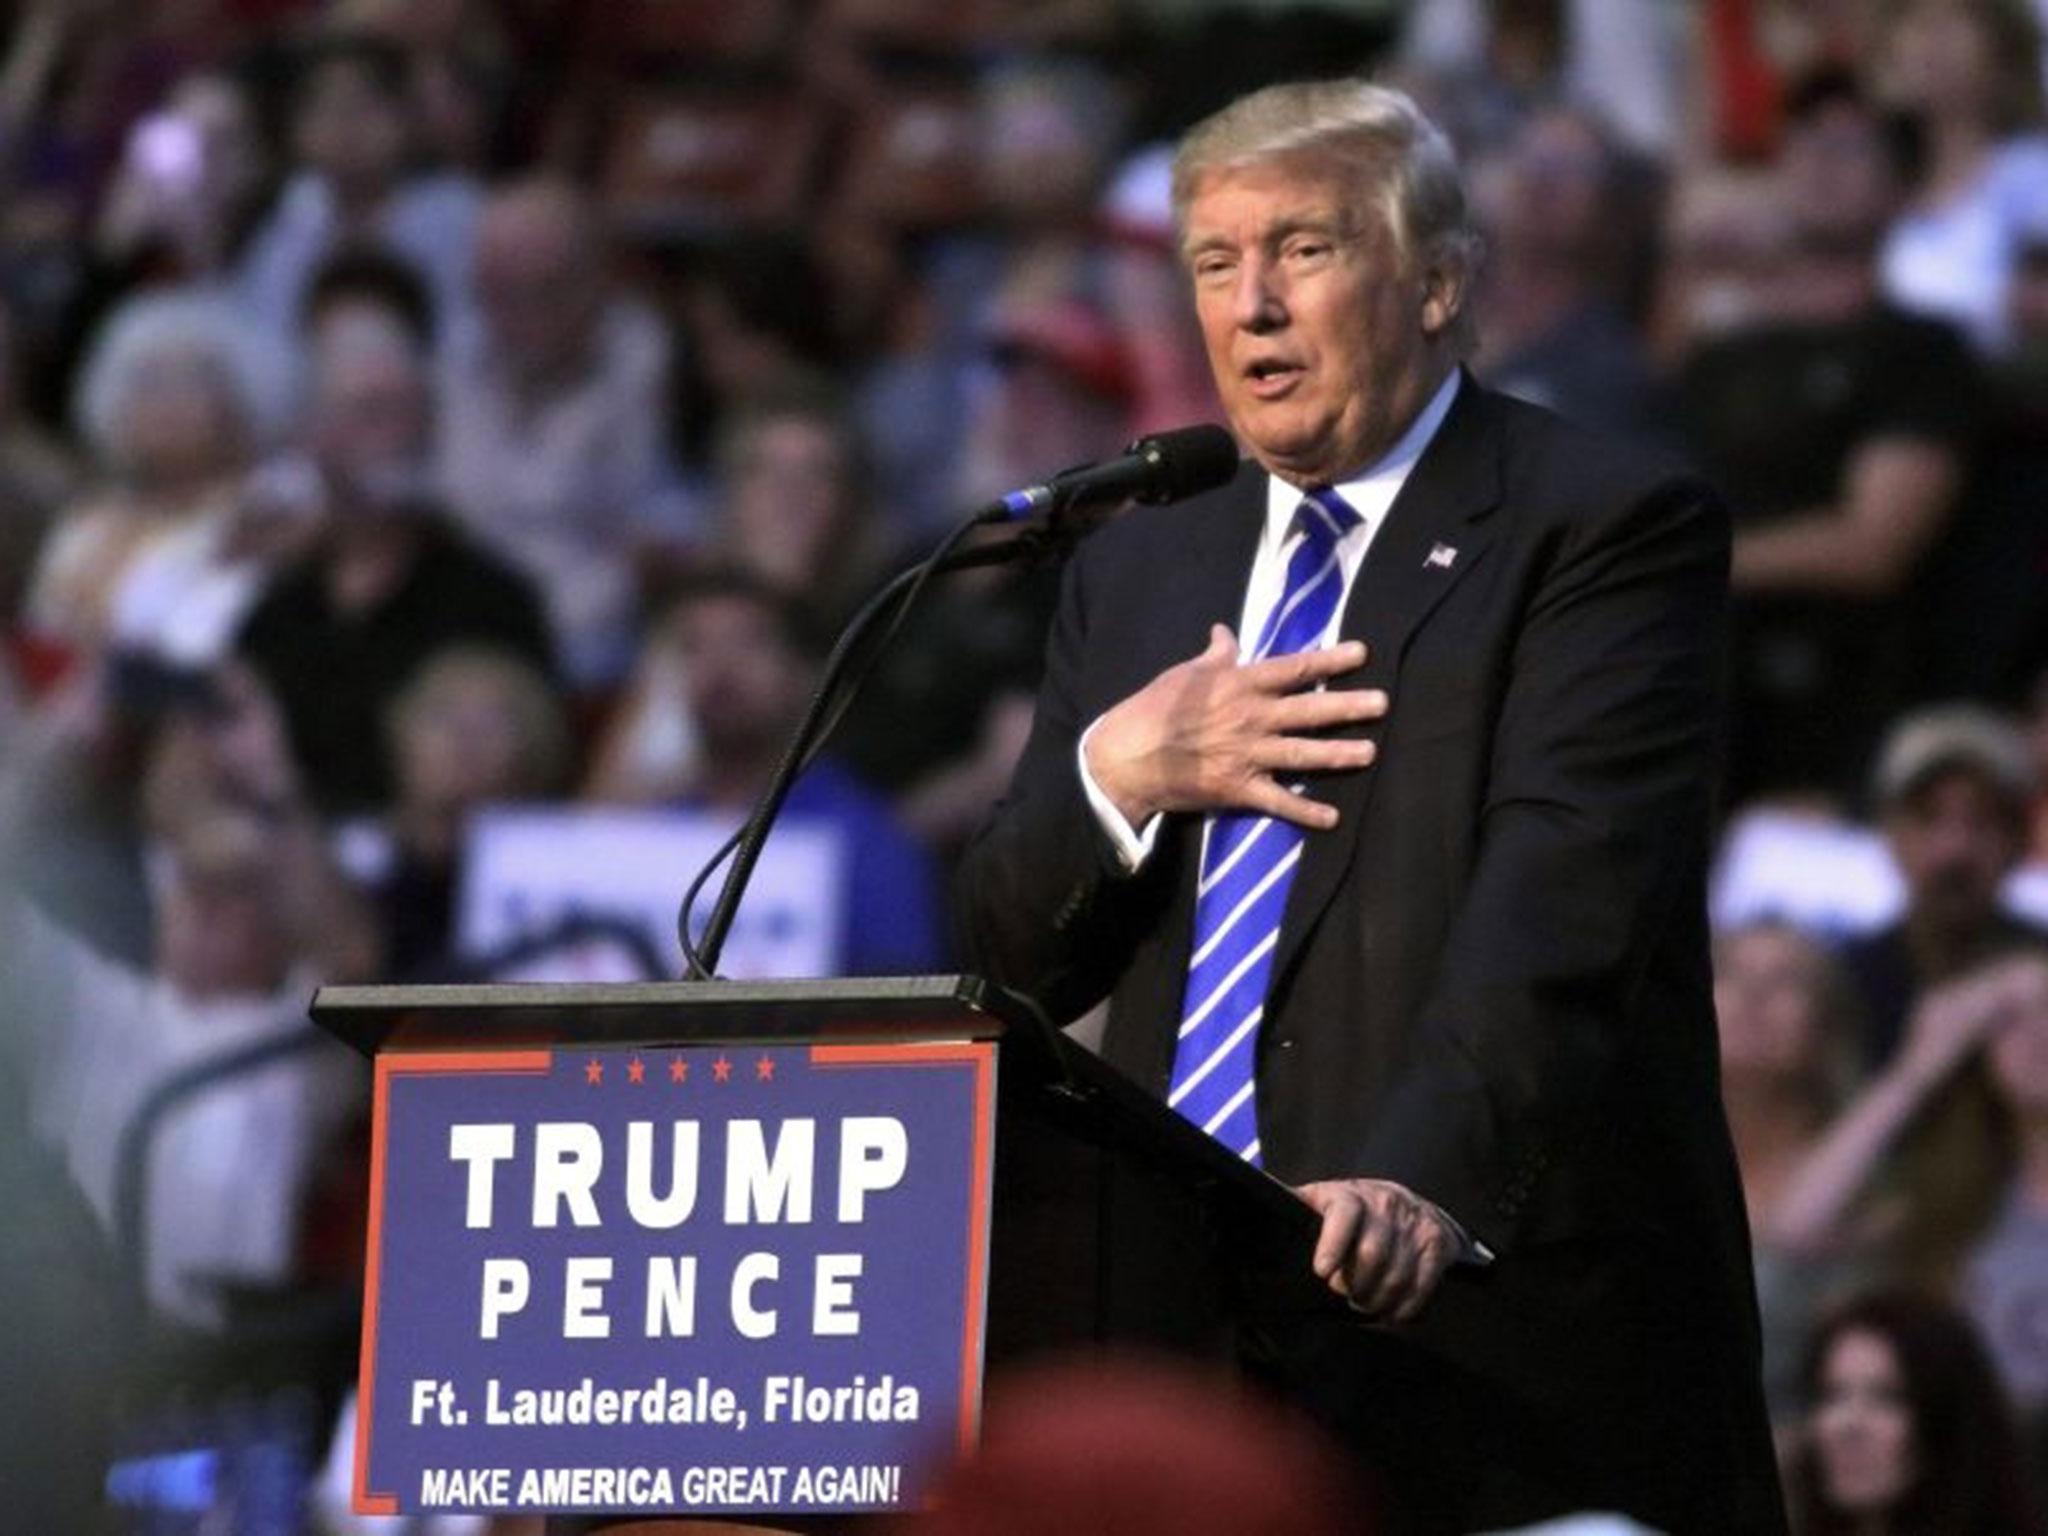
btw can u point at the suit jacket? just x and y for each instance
(1492, 982)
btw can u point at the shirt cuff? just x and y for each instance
(1470, 1249)
(1133, 845)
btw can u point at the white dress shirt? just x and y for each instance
(1370, 494)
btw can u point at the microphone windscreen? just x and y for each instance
(1188, 461)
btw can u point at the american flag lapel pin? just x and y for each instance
(1440, 558)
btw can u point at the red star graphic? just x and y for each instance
(721, 1069)
(764, 1070)
(635, 1072)
(593, 1071)
(678, 1070)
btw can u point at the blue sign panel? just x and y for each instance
(694, 1280)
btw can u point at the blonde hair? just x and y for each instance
(1401, 162)
(543, 728)
(257, 373)
(1838, 1014)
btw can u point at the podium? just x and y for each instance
(1111, 1221)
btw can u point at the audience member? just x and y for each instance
(1967, 74)
(474, 727)
(459, 70)
(1626, 63)
(339, 633)
(757, 314)
(1984, 626)
(2005, 1285)
(194, 180)
(223, 1174)
(1954, 787)
(554, 406)
(250, 914)
(352, 132)
(905, 389)
(745, 676)
(1048, 130)
(1790, 1059)
(76, 79)
(1145, 298)
(793, 509)
(1840, 431)
(1924, 1163)
(358, 281)
(1056, 389)
(1726, 233)
(1907, 1431)
(1564, 246)
(943, 715)
(175, 398)
(186, 598)
(70, 800)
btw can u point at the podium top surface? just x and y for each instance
(676, 1012)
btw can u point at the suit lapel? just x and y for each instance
(1204, 582)
(1435, 532)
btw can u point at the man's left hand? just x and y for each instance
(1383, 1248)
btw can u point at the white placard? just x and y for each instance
(1830, 877)
(1834, 878)
(527, 872)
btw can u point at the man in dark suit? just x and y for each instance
(1386, 772)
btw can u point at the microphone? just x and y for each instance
(1167, 466)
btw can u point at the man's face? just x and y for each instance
(1558, 179)
(789, 498)
(1322, 336)
(348, 127)
(743, 684)
(1955, 840)
(463, 745)
(218, 934)
(370, 418)
(538, 287)
(1837, 175)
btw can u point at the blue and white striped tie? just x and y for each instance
(1248, 862)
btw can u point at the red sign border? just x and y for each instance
(392, 1064)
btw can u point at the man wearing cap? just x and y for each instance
(1954, 788)
(1373, 791)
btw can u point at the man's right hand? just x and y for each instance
(1209, 734)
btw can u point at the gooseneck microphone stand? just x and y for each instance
(1166, 467)
(835, 691)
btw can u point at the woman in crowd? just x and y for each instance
(793, 504)
(1953, 1138)
(176, 395)
(474, 727)
(1788, 1065)
(1907, 1432)
(1966, 74)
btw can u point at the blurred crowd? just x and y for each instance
(417, 408)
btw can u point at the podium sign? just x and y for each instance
(702, 1279)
